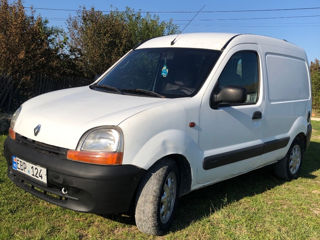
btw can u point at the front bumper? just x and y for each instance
(90, 188)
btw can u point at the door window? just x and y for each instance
(242, 71)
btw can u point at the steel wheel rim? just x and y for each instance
(168, 197)
(295, 159)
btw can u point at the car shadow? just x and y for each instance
(204, 202)
(123, 218)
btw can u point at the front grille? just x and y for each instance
(46, 148)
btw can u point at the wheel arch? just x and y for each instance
(185, 173)
(303, 138)
(299, 130)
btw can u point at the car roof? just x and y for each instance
(214, 41)
(218, 41)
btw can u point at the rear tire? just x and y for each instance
(157, 198)
(289, 167)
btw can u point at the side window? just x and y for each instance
(242, 70)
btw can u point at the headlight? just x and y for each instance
(102, 145)
(15, 117)
(101, 139)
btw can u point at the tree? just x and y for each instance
(32, 54)
(27, 44)
(143, 28)
(315, 79)
(27, 47)
(97, 40)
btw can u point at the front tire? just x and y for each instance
(157, 198)
(289, 167)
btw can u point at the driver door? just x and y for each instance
(231, 134)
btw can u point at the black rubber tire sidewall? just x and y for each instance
(296, 175)
(281, 168)
(147, 209)
(165, 227)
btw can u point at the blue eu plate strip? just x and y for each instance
(14, 163)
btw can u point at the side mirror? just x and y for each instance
(228, 95)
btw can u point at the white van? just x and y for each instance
(175, 114)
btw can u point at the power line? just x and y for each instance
(57, 9)
(263, 10)
(262, 18)
(264, 26)
(184, 12)
(249, 18)
(197, 13)
(208, 19)
(281, 25)
(231, 19)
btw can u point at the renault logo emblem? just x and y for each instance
(36, 130)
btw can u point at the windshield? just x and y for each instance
(166, 72)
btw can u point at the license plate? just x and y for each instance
(29, 169)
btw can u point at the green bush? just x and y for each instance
(315, 80)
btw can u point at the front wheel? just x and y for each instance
(157, 198)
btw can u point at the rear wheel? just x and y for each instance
(157, 198)
(289, 167)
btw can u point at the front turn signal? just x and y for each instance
(12, 134)
(102, 158)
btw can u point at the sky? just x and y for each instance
(301, 27)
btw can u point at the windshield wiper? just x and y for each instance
(106, 87)
(144, 92)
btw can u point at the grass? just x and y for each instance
(253, 206)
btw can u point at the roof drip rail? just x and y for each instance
(227, 43)
(137, 45)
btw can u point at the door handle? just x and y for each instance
(257, 115)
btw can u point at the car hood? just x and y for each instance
(65, 115)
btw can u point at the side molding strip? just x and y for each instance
(244, 153)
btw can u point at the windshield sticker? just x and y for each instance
(164, 71)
